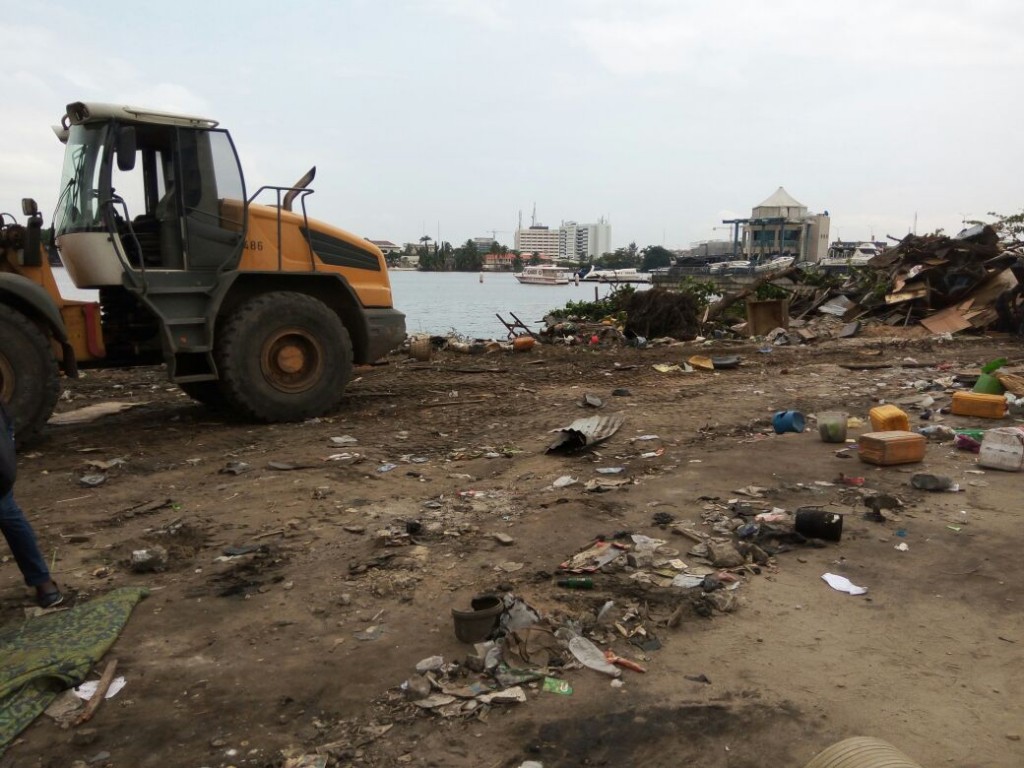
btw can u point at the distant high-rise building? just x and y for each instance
(573, 241)
(538, 239)
(593, 240)
(483, 244)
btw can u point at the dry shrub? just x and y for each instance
(660, 312)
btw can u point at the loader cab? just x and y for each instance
(144, 191)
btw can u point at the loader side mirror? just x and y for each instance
(31, 254)
(126, 148)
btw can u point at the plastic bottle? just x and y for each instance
(939, 432)
(577, 582)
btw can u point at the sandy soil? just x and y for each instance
(231, 662)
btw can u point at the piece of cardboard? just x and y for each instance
(949, 320)
(766, 316)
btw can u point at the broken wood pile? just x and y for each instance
(973, 281)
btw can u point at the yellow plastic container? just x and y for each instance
(891, 447)
(979, 405)
(889, 418)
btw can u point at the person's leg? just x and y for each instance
(22, 541)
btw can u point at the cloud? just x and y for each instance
(727, 39)
(491, 14)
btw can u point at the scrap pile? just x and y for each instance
(972, 281)
(947, 284)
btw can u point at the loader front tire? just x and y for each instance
(29, 377)
(284, 356)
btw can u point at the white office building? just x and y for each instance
(593, 240)
(539, 239)
(571, 241)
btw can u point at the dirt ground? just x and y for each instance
(233, 661)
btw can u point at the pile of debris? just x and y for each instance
(972, 281)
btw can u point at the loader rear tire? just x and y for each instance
(29, 376)
(284, 356)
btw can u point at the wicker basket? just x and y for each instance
(1014, 384)
(420, 348)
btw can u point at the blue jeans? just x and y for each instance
(22, 541)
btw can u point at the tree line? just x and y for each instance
(443, 257)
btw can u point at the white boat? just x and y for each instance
(616, 276)
(724, 267)
(858, 256)
(544, 274)
(776, 264)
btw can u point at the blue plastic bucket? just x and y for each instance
(788, 421)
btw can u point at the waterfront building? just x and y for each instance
(781, 226)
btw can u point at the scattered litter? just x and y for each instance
(306, 761)
(927, 482)
(87, 690)
(594, 557)
(600, 485)
(349, 457)
(386, 467)
(843, 584)
(514, 695)
(590, 656)
(92, 480)
(92, 412)
(554, 685)
(585, 433)
(287, 466)
(370, 633)
(902, 547)
(343, 440)
(564, 481)
(149, 560)
(103, 466)
(234, 468)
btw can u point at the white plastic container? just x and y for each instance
(1003, 448)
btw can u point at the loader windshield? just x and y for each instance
(78, 208)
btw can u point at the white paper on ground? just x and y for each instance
(88, 689)
(843, 584)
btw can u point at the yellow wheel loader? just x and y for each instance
(251, 306)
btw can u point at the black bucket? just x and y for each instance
(819, 524)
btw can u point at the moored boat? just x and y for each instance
(544, 274)
(616, 276)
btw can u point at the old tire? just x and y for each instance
(862, 752)
(209, 393)
(29, 377)
(284, 357)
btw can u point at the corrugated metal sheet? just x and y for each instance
(585, 433)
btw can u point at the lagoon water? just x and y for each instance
(441, 303)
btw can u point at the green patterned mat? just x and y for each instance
(41, 657)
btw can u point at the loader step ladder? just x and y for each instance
(183, 302)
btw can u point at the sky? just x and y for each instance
(450, 117)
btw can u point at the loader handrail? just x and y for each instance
(301, 193)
